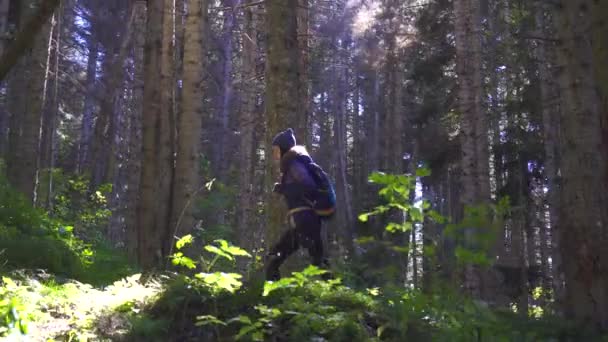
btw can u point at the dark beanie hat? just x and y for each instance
(284, 140)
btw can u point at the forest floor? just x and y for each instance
(176, 307)
(50, 308)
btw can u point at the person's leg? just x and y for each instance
(308, 226)
(286, 246)
(318, 257)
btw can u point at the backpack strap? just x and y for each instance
(297, 210)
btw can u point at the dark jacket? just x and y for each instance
(297, 185)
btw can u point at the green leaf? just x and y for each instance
(282, 283)
(378, 177)
(217, 251)
(407, 226)
(437, 217)
(423, 172)
(416, 214)
(363, 217)
(244, 331)
(393, 227)
(221, 281)
(380, 330)
(178, 259)
(244, 319)
(208, 319)
(374, 292)
(183, 241)
(312, 271)
(234, 250)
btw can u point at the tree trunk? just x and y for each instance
(600, 54)
(104, 145)
(582, 212)
(157, 166)
(114, 151)
(189, 125)
(4, 21)
(247, 123)
(135, 139)
(26, 111)
(86, 133)
(550, 119)
(302, 124)
(50, 113)
(227, 92)
(281, 91)
(474, 144)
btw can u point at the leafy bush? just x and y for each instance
(12, 322)
(31, 239)
(87, 210)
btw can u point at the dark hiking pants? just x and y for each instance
(305, 231)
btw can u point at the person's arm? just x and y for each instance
(302, 185)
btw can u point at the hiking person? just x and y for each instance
(303, 185)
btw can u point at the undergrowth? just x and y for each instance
(61, 282)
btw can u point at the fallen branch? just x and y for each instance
(25, 38)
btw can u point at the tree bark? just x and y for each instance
(281, 91)
(303, 116)
(157, 166)
(26, 111)
(600, 55)
(135, 139)
(247, 123)
(104, 144)
(4, 24)
(582, 212)
(189, 125)
(88, 116)
(227, 93)
(50, 114)
(345, 215)
(475, 181)
(550, 120)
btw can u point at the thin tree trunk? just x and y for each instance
(86, 133)
(303, 116)
(414, 257)
(550, 119)
(50, 114)
(247, 122)
(190, 123)
(227, 92)
(139, 42)
(339, 95)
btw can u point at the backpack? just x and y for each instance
(325, 202)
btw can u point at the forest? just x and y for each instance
(156, 169)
